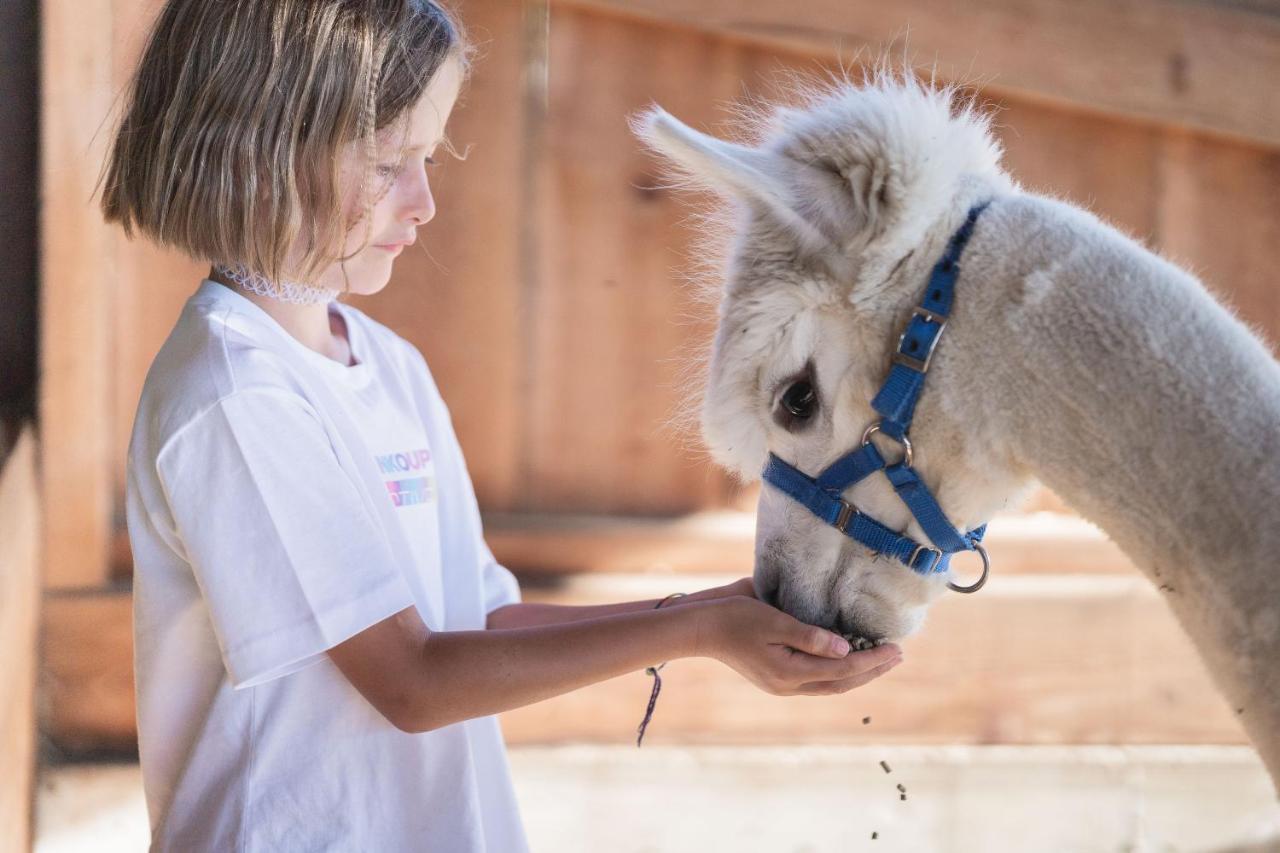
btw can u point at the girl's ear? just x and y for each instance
(813, 204)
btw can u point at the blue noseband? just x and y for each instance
(896, 402)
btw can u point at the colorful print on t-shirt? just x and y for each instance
(412, 490)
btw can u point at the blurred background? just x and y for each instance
(1060, 709)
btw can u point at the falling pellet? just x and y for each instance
(885, 765)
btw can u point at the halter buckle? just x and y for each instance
(920, 365)
(847, 512)
(933, 564)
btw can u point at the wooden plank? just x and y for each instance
(78, 278)
(86, 679)
(1218, 218)
(1029, 660)
(540, 545)
(1194, 64)
(619, 333)
(537, 545)
(1109, 167)
(19, 610)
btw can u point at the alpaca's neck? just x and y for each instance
(1148, 407)
(1156, 415)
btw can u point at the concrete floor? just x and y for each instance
(813, 800)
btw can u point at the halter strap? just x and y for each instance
(896, 402)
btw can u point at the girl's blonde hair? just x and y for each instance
(229, 148)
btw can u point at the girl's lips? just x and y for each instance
(395, 248)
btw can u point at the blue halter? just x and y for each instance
(896, 402)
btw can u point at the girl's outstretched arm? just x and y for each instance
(422, 680)
(529, 614)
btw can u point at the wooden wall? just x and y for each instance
(549, 298)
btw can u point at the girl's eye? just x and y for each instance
(800, 400)
(388, 169)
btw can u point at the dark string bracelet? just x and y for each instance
(657, 680)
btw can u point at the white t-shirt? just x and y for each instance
(279, 502)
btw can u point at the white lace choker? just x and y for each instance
(285, 291)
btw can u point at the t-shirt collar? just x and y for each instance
(241, 304)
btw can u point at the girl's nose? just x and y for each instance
(424, 209)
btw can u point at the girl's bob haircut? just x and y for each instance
(231, 146)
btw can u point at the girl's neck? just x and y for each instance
(314, 326)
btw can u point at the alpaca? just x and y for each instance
(1072, 356)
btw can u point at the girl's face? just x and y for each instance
(407, 202)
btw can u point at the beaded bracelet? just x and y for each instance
(657, 681)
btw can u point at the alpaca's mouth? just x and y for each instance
(862, 643)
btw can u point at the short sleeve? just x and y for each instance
(500, 585)
(284, 545)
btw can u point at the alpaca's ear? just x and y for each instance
(813, 203)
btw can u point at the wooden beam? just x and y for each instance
(1039, 543)
(1029, 660)
(1200, 64)
(19, 608)
(86, 682)
(1218, 217)
(535, 544)
(77, 285)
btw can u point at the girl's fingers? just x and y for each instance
(819, 642)
(813, 668)
(824, 688)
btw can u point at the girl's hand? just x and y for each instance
(784, 656)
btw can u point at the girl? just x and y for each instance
(322, 636)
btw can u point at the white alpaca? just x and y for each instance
(1073, 355)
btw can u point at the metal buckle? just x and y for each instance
(904, 441)
(986, 570)
(937, 555)
(918, 364)
(847, 512)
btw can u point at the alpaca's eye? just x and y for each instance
(800, 400)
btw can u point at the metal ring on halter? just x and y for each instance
(904, 441)
(986, 569)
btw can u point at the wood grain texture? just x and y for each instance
(86, 678)
(1203, 65)
(19, 617)
(78, 283)
(559, 545)
(618, 330)
(1218, 218)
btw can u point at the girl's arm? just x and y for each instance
(526, 615)
(422, 680)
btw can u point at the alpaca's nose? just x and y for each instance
(856, 630)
